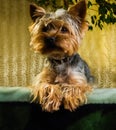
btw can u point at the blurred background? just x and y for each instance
(19, 64)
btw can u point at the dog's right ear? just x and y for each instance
(36, 11)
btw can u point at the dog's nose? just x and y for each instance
(50, 40)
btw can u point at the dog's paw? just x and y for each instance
(49, 96)
(74, 96)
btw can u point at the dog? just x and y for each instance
(66, 79)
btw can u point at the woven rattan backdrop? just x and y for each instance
(19, 65)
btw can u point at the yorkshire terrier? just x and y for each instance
(66, 80)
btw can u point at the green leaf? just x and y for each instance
(90, 27)
(93, 18)
(89, 4)
(100, 25)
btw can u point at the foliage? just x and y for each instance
(105, 10)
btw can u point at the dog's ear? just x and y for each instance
(78, 10)
(36, 12)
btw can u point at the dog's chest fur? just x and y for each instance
(67, 68)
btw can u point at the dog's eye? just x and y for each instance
(64, 30)
(46, 28)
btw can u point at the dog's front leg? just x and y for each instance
(74, 93)
(45, 91)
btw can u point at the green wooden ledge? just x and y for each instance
(17, 113)
(23, 94)
(15, 94)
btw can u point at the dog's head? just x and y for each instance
(57, 34)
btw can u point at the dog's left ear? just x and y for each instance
(36, 12)
(78, 10)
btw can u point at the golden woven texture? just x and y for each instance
(99, 50)
(19, 65)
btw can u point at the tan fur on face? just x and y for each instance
(66, 43)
